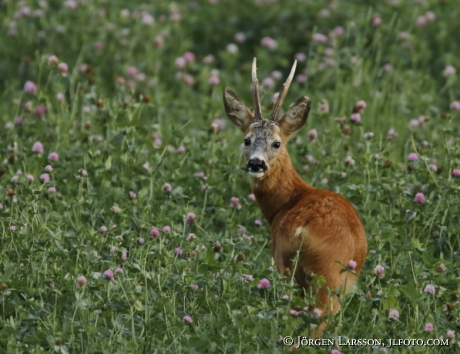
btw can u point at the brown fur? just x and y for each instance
(333, 231)
(330, 228)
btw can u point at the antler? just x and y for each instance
(282, 94)
(255, 83)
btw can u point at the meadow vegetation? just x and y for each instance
(127, 223)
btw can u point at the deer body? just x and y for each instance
(319, 225)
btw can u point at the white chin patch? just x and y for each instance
(256, 174)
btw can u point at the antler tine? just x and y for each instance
(255, 83)
(282, 94)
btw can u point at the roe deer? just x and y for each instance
(319, 225)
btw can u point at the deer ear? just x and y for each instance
(238, 113)
(296, 116)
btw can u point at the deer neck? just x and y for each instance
(275, 191)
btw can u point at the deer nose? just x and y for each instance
(257, 165)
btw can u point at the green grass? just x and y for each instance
(111, 124)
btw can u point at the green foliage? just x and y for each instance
(117, 120)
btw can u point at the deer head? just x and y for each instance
(265, 139)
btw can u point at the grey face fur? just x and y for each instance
(264, 140)
(262, 144)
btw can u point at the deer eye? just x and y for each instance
(247, 142)
(276, 144)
